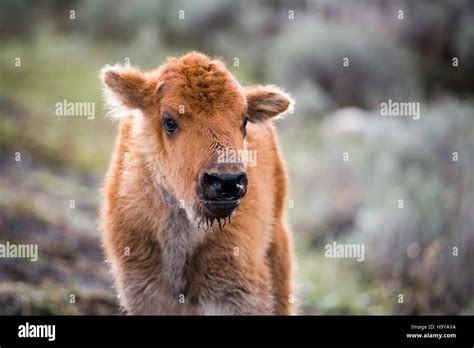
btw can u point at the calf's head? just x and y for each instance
(188, 114)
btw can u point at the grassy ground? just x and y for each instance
(62, 159)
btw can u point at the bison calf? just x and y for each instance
(190, 225)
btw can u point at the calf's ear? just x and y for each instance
(125, 89)
(265, 102)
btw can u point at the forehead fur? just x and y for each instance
(201, 82)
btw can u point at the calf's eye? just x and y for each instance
(244, 130)
(169, 124)
(246, 120)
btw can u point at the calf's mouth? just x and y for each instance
(221, 208)
(217, 210)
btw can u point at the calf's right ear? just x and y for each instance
(265, 102)
(126, 88)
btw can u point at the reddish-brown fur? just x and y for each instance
(165, 260)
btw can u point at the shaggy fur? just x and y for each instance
(167, 257)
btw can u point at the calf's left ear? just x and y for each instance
(125, 89)
(265, 102)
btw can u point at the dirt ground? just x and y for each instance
(45, 205)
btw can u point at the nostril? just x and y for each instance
(241, 179)
(240, 185)
(212, 181)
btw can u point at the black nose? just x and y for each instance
(224, 186)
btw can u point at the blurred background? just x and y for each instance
(414, 51)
